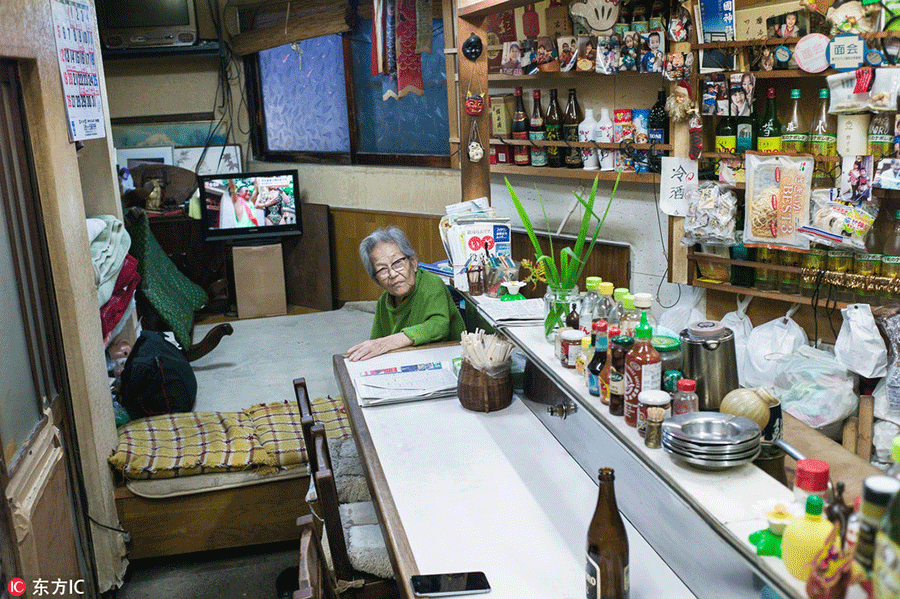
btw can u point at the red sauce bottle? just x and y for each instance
(643, 369)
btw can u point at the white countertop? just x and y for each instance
(496, 492)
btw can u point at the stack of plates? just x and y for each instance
(711, 440)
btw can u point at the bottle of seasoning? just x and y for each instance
(838, 512)
(611, 333)
(652, 398)
(570, 347)
(811, 478)
(670, 381)
(598, 362)
(607, 545)
(572, 318)
(642, 369)
(669, 349)
(631, 317)
(686, 399)
(582, 361)
(877, 494)
(619, 349)
(803, 538)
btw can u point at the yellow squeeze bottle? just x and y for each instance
(803, 538)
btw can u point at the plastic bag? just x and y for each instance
(843, 94)
(859, 346)
(741, 326)
(838, 224)
(816, 389)
(777, 200)
(684, 312)
(883, 93)
(768, 347)
(710, 215)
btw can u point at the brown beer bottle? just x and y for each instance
(607, 545)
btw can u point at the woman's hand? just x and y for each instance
(376, 347)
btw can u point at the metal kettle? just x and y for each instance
(707, 348)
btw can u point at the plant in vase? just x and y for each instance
(562, 276)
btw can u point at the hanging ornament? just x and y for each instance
(474, 103)
(476, 150)
(472, 47)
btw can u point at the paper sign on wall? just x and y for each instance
(678, 175)
(73, 28)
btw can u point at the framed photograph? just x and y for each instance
(130, 157)
(168, 130)
(511, 63)
(210, 160)
(791, 24)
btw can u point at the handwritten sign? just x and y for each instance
(73, 28)
(678, 175)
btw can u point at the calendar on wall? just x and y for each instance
(75, 33)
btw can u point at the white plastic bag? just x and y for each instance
(740, 325)
(859, 346)
(768, 347)
(816, 389)
(685, 312)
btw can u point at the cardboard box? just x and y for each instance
(259, 280)
(502, 109)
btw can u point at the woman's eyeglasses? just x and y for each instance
(396, 266)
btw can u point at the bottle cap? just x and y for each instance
(536, 93)
(895, 449)
(572, 335)
(599, 326)
(707, 328)
(606, 288)
(771, 93)
(624, 340)
(643, 300)
(628, 301)
(814, 505)
(687, 385)
(592, 282)
(656, 397)
(585, 342)
(518, 91)
(795, 94)
(661, 343)
(811, 475)
(619, 293)
(823, 93)
(670, 380)
(614, 331)
(643, 330)
(879, 489)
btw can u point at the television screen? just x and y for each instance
(247, 206)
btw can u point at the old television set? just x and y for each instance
(245, 207)
(133, 24)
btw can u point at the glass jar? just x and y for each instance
(766, 280)
(789, 282)
(618, 349)
(669, 350)
(816, 259)
(841, 261)
(557, 304)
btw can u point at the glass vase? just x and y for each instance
(558, 303)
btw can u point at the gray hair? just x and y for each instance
(385, 235)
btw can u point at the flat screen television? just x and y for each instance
(250, 206)
(126, 24)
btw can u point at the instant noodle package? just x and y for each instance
(777, 200)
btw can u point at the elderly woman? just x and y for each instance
(415, 308)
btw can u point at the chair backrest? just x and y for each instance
(314, 577)
(328, 504)
(306, 422)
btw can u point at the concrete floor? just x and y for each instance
(245, 573)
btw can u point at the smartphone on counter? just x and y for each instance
(444, 585)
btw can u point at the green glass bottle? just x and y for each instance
(795, 132)
(768, 139)
(886, 568)
(726, 133)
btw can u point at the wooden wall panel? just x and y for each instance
(351, 226)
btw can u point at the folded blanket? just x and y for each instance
(126, 284)
(108, 251)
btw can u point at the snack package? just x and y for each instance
(838, 224)
(711, 215)
(845, 96)
(883, 94)
(777, 200)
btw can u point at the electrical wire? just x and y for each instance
(89, 517)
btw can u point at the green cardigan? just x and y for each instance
(426, 315)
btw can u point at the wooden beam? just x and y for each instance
(323, 21)
(476, 176)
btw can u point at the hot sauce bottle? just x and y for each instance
(643, 369)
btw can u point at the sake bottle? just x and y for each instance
(823, 141)
(537, 131)
(520, 131)
(553, 124)
(795, 132)
(726, 133)
(768, 140)
(603, 132)
(571, 120)
(586, 134)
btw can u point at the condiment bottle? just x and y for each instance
(572, 318)
(686, 399)
(619, 349)
(886, 571)
(877, 494)
(631, 317)
(570, 347)
(811, 478)
(642, 369)
(581, 360)
(607, 544)
(837, 511)
(588, 304)
(648, 399)
(642, 303)
(605, 302)
(598, 363)
(803, 538)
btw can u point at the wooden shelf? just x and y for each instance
(772, 295)
(483, 8)
(783, 73)
(600, 145)
(573, 173)
(203, 48)
(729, 155)
(569, 75)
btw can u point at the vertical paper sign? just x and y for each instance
(678, 176)
(73, 28)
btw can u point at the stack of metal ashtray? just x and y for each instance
(711, 440)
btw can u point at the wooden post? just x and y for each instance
(475, 176)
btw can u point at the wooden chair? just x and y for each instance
(314, 577)
(307, 421)
(349, 563)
